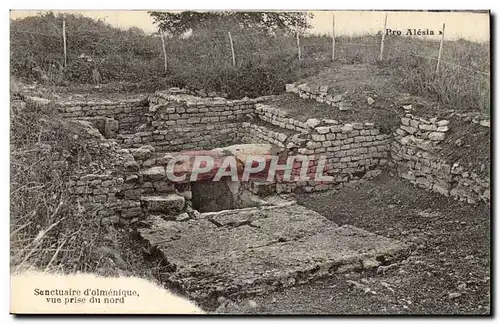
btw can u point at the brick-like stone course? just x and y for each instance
(129, 113)
(415, 155)
(179, 121)
(175, 121)
(129, 192)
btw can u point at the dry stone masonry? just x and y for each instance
(216, 238)
(415, 147)
(320, 94)
(175, 120)
(355, 151)
(122, 115)
(179, 121)
(415, 154)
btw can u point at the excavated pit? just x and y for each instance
(224, 238)
(241, 243)
(214, 196)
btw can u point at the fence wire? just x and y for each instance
(248, 45)
(255, 63)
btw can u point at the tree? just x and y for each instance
(179, 23)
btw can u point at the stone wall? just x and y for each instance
(129, 113)
(105, 190)
(178, 138)
(178, 121)
(415, 155)
(355, 152)
(279, 117)
(133, 189)
(260, 134)
(320, 94)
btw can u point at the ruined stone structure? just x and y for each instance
(415, 150)
(243, 220)
(415, 154)
(172, 121)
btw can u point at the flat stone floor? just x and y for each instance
(257, 250)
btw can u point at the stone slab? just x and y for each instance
(258, 250)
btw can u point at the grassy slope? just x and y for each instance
(263, 65)
(49, 228)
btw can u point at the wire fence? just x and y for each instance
(310, 46)
(95, 52)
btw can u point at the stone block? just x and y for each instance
(318, 138)
(330, 137)
(313, 145)
(408, 129)
(428, 127)
(131, 212)
(441, 190)
(164, 187)
(322, 130)
(154, 173)
(436, 136)
(167, 204)
(414, 123)
(347, 128)
(424, 182)
(131, 166)
(312, 122)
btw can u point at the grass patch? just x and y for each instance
(49, 228)
(100, 53)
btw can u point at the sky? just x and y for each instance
(471, 26)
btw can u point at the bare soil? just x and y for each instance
(83, 92)
(448, 271)
(469, 144)
(303, 109)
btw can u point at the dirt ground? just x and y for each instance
(355, 84)
(468, 144)
(448, 271)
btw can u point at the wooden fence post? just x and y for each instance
(333, 38)
(232, 48)
(440, 50)
(164, 51)
(381, 55)
(298, 46)
(64, 43)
